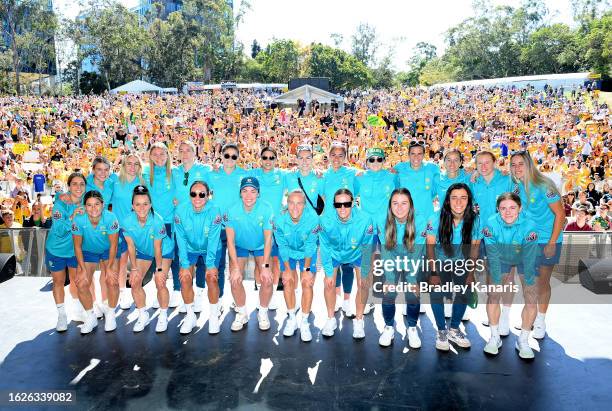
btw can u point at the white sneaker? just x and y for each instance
(448, 309)
(263, 320)
(183, 309)
(110, 321)
(539, 330)
(214, 325)
(305, 333)
(504, 325)
(386, 337)
(493, 346)
(414, 341)
(358, 329)
(125, 299)
(442, 340)
(97, 310)
(458, 337)
(90, 323)
(290, 327)
(239, 322)
(347, 309)
(466, 315)
(176, 299)
(422, 309)
(405, 309)
(329, 327)
(198, 301)
(62, 323)
(524, 350)
(141, 323)
(369, 308)
(188, 323)
(162, 323)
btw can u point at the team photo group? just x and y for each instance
(451, 225)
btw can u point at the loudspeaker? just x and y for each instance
(596, 274)
(8, 265)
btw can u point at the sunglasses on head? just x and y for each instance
(346, 204)
(232, 156)
(141, 190)
(375, 160)
(200, 194)
(266, 158)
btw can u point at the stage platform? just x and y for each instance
(148, 371)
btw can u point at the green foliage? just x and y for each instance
(597, 45)
(364, 43)
(279, 61)
(345, 71)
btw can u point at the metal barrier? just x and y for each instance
(28, 245)
(581, 245)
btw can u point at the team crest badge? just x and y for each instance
(550, 194)
(115, 225)
(75, 227)
(217, 220)
(533, 236)
(162, 231)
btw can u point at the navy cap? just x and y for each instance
(249, 182)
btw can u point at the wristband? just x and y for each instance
(265, 265)
(307, 269)
(159, 269)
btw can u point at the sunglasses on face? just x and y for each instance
(186, 180)
(375, 160)
(232, 156)
(346, 204)
(270, 158)
(200, 194)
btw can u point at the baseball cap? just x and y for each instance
(375, 152)
(249, 182)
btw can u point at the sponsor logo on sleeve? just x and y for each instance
(115, 225)
(57, 215)
(75, 227)
(217, 219)
(531, 237)
(177, 220)
(162, 231)
(486, 232)
(370, 229)
(550, 194)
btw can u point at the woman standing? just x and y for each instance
(402, 234)
(147, 241)
(96, 235)
(59, 249)
(198, 235)
(452, 234)
(343, 235)
(543, 206)
(130, 176)
(511, 240)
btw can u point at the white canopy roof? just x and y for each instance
(308, 93)
(137, 86)
(553, 80)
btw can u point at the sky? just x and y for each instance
(398, 23)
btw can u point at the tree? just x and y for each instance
(337, 38)
(255, 49)
(422, 53)
(170, 57)
(552, 49)
(437, 70)
(117, 42)
(40, 41)
(6, 63)
(344, 70)
(364, 43)
(584, 11)
(597, 45)
(17, 17)
(280, 61)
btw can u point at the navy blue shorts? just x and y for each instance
(293, 264)
(141, 256)
(546, 261)
(55, 263)
(91, 257)
(193, 257)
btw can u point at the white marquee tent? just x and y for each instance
(137, 87)
(309, 93)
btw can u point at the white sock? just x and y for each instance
(494, 331)
(163, 311)
(505, 311)
(263, 310)
(305, 317)
(90, 313)
(78, 305)
(524, 335)
(214, 309)
(122, 290)
(61, 310)
(541, 317)
(189, 308)
(291, 313)
(241, 310)
(142, 311)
